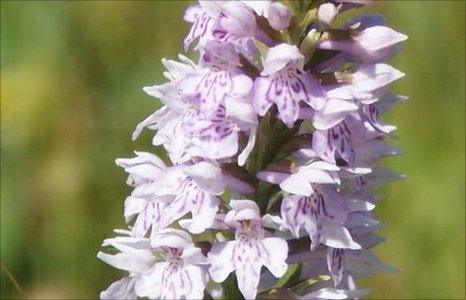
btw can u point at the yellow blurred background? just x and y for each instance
(71, 78)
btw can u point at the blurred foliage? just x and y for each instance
(71, 78)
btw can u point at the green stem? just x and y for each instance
(271, 135)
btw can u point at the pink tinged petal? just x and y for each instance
(240, 110)
(226, 146)
(207, 176)
(262, 102)
(287, 93)
(237, 184)
(244, 214)
(277, 250)
(150, 283)
(337, 236)
(300, 183)
(297, 184)
(278, 16)
(280, 56)
(136, 261)
(187, 199)
(241, 85)
(258, 7)
(149, 215)
(183, 281)
(248, 257)
(178, 70)
(242, 210)
(169, 185)
(212, 89)
(371, 114)
(370, 78)
(202, 25)
(172, 238)
(192, 13)
(151, 120)
(377, 38)
(238, 205)
(273, 222)
(133, 206)
(221, 260)
(322, 165)
(121, 289)
(193, 256)
(243, 156)
(317, 96)
(291, 210)
(238, 20)
(203, 215)
(336, 264)
(145, 164)
(199, 277)
(332, 113)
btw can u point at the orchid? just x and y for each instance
(283, 83)
(250, 250)
(273, 139)
(182, 273)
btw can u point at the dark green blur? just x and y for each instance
(71, 78)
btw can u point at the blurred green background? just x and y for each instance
(71, 78)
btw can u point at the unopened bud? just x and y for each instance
(327, 13)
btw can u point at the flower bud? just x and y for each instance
(327, 13)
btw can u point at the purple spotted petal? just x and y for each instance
(336, 264)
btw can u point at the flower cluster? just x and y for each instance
(273, 141)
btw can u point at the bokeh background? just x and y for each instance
(71, 78)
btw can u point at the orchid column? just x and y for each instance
(273, 141)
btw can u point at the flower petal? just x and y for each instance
(221, 260)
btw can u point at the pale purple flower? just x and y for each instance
(283, 83)
(225, 22)
(351, 145)
(219, 76)
(143, 205)
(174, 191)
(185, 129)
(195, 191)
(371, 112)
(322, 214)
(300, 179)
(169, 119)
(371, 43)
(181, 273)
(218, 137)
(250, 250)
(366, 86)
